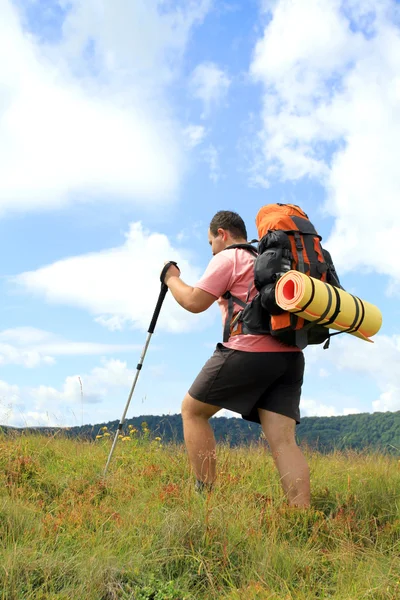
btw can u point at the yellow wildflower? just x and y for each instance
(98, 437)
(106, 434)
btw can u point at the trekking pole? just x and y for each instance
(163, 293)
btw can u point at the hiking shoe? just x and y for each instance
(202, 487)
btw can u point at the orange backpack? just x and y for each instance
(288, 241)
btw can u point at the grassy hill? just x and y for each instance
(145, 534)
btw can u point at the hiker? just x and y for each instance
(256, 376)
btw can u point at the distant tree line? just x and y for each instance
(377, 431)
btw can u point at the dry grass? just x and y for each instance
(146, 534)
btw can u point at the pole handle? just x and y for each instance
(165, 269)
(163, 293)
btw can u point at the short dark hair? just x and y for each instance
(231, 221)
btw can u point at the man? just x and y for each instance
(254, 375)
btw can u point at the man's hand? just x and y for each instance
(172, 272)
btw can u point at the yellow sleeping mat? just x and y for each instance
(309, 298)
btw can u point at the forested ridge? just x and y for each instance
(377, 431)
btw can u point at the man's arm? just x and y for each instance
(192, 299)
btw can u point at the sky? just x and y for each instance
(124, 127)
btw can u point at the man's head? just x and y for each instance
(226, 228)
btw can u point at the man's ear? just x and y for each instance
(223, 233)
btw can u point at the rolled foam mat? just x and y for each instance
(309, 298)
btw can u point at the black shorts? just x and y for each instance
(246, 381)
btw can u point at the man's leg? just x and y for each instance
(199, 437)
(289, 459)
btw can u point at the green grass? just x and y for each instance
(145, 534)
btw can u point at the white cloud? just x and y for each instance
(388, 401)
(50, 406)
(87, 117)
(10, 403)
(8, 392)
(145, 37)
(331, 111)
(378, 362)
(91, 388)
(210, 84)
(268, 5)
(32, 347)
(25, 336)
(119, 286)
(313, 408)
(93, 397)
(194, 134)
(228, 414)
(196, 230)
(10, 355)
(211, 157)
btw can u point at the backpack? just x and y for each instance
(288, 241)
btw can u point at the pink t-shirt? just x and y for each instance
(233, 270)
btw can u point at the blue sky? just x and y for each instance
(125, 126)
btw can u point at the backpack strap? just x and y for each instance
(232, 300)
(355, 326)
(299, 248)
(247, 247)
(301, 336)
